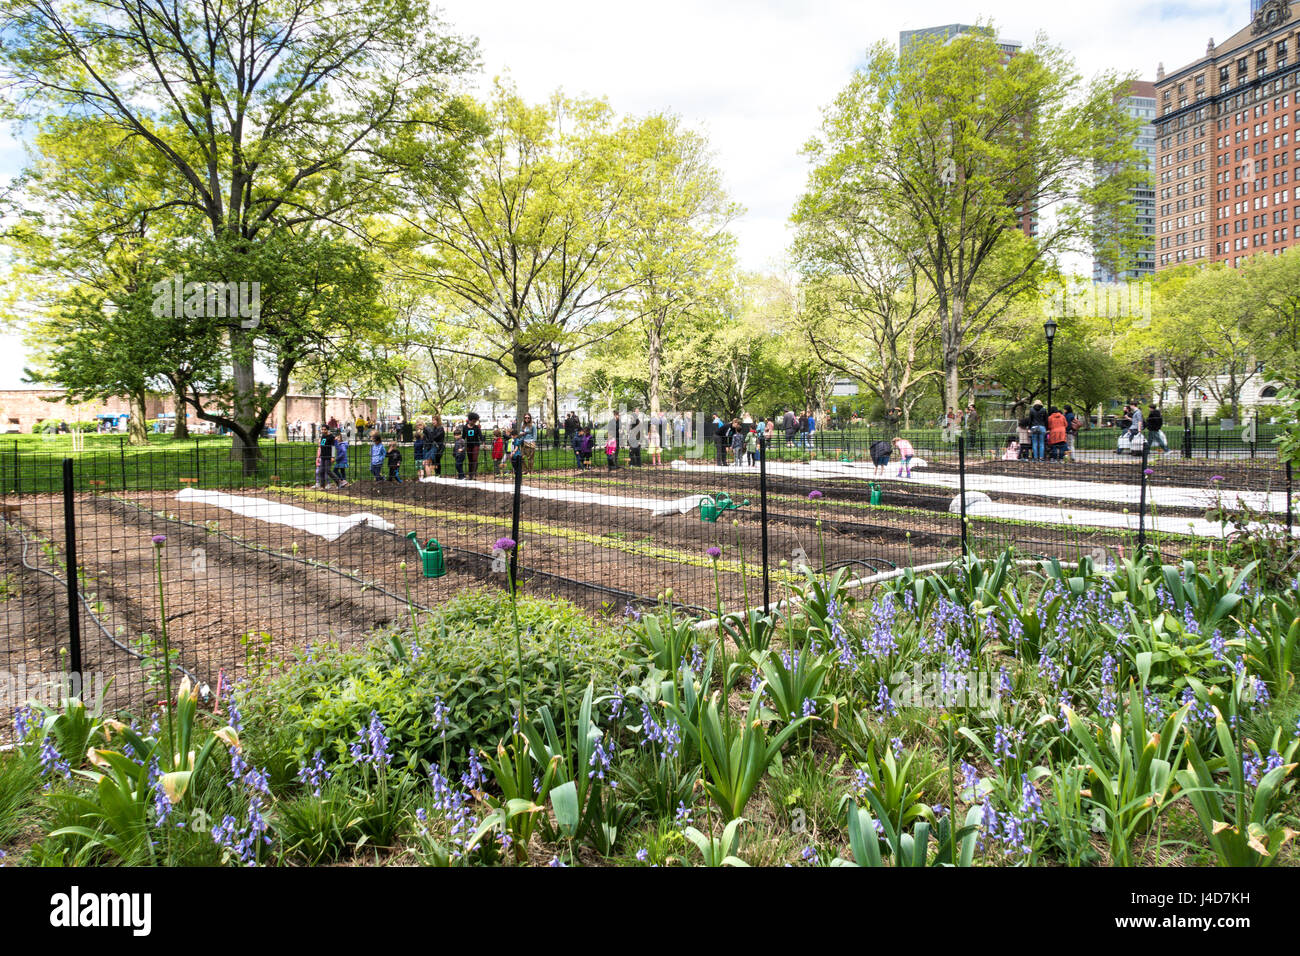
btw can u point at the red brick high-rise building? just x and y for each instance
(1225, 145)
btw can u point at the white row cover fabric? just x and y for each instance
(1075, 489)
(656, 506)
(328, 526)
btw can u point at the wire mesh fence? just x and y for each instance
(258, 556)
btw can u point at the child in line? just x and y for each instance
(498, 450)
(341, 461)
(737, 443)
(751, 447)
(377, 455)
(458, 451)
(585, 442)
(905, 452)
(394, 462)
(1013, 451)
(517, 449)
(611, 451)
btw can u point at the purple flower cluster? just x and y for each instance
(313, 774)
(243, 841)
(52, 762)
(667, 736)
(25, 718)
(602, 757)
(372, 744)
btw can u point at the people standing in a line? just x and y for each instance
(1056, 433)
(905, 453)
(586, 443)
(458, 450)
(790, 425)
(376, 456)
(439, 437)
(325, 459)
(417, 435)
(611, 452)
(656, 446)
(498, 450)
(1023, 439)
(751, 446)
(615, 431)
(341, 461)
(1038, 430)
(394, 462)
(634, 427)
(737, 440)
(810, 429)
(576, 444)
(971, 422)
(720, 440)
(1155, 424)
(473, 435)
(528, 434)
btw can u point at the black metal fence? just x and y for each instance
(227, 564)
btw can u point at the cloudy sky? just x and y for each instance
(753, 75)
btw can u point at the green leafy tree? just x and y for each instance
(528, 251)
(273, 117)
(959, 143)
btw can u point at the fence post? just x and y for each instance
(1187, 438)
(762, 510)
(121, 454)
(70, 552)
(518, 465)
(961, 489)
(1142, 499)
(1288, 500)
(18, 474)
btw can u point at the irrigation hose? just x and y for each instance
(85, 603)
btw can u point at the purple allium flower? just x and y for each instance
(714, 552)
(814, 494)
(1148, 471)
(1216, 478)
(504, 544)
(159, 539)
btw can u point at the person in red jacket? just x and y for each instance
(1056, 434)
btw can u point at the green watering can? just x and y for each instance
(712, 506)
(875, 493)
(435, 564)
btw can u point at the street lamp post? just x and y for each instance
(555, 391)
(1049, 329)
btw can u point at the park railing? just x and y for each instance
(120, 563)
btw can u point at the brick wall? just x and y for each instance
(25, 407)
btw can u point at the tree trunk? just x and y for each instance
(181, 430)
(136, 433)
(655, 360)
(951, 357)
(523, 360)
(282, 420)
(241, 365)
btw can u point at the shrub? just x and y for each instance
(461, 663)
